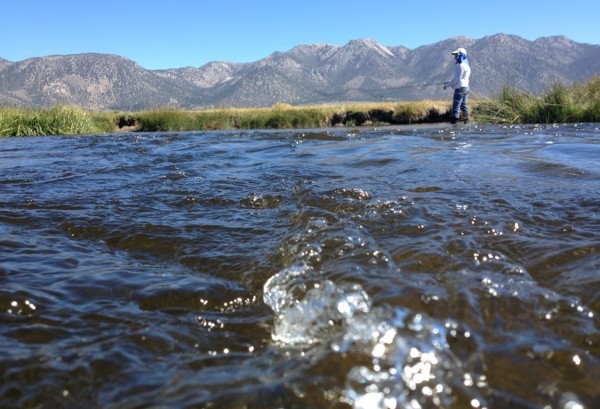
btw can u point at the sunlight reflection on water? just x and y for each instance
(371, 268)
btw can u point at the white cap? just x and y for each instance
(460, 50)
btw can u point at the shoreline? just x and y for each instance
(578, 103)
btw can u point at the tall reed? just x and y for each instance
(59, 120)
(560, 104)
(284, 116)
(279, 116)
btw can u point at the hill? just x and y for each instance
(361, 70)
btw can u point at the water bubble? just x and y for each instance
(570, 401)
(256, 201)
(25, 307)
(210, 324)
(282, 289)
(323, 312)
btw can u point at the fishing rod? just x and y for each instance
(408, 86)
(432, 84)
(394, 88)
(371, 91)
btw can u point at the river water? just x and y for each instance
(401, 267)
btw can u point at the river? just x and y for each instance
(396, 267)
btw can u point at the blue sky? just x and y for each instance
(178, 33)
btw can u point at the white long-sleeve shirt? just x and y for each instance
(462, 72)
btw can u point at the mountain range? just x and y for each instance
(361, 70)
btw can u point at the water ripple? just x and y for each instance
(402, 267)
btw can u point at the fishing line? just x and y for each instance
(379, 90)
(371, 91)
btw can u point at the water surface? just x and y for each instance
(424, 267)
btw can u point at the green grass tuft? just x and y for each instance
(578, 103)
(59, 120)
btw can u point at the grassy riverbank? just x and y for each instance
(579, 103)
(73, 120)
(288, 117)
(60, 120)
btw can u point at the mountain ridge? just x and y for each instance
(360, 70)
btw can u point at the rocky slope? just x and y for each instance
(361, 70)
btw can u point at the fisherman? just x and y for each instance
(460, 84)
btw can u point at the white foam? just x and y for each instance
(403, 359)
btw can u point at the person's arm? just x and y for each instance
(465, 74)
(453, 83)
